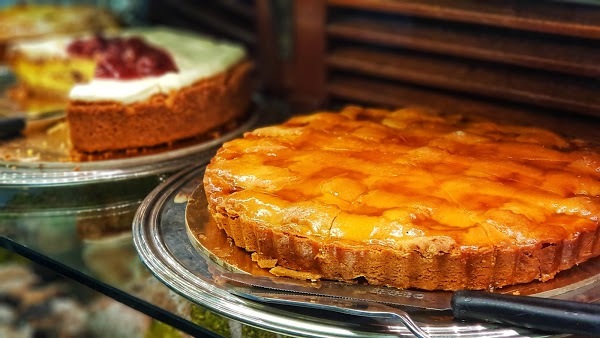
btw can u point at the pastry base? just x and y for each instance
(376, 265)
(97, 127)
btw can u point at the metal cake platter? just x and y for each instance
(38, 164)
(162, 240)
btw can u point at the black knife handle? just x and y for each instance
(11, 126)
(546, 314)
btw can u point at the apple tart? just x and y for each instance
(408, 198)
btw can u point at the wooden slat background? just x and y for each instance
(552, 17)
(517, 48)
(230, 19)
(539, 54)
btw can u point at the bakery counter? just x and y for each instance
(94, 251)
(109, 265)
(130, 238)
(77, 222)
(104, 270)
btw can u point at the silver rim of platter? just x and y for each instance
(161, 239)
(24, 173)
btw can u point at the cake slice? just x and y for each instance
(138, 88)
(45, 70)
(30, 21)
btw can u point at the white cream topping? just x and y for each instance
(196, 57)
(45, 48)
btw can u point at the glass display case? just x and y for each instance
(108, 238)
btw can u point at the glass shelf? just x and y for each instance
(92, 245)
(83, 232)
(136, 289)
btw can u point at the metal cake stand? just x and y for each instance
(161, 238)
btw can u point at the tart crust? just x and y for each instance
(409, 199)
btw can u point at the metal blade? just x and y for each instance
(430, 300)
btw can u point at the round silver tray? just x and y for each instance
(52, 173)
(161, 239)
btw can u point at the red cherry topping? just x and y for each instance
(123, 58)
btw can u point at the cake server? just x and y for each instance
(430, 300)
(348, 307)
(530, 312)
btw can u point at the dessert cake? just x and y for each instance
(27, 21)
(409, 199)
(140, 88)
(44, 83)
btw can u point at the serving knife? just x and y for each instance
(547, 314)
(345, 306)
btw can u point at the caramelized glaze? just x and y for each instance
(410, 182)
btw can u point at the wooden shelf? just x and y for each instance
(560, 55)
(508, 83)
(243, 9)
(380, 93)
(358, 90)
(513, 52)
(215, 19)
(550, 17)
